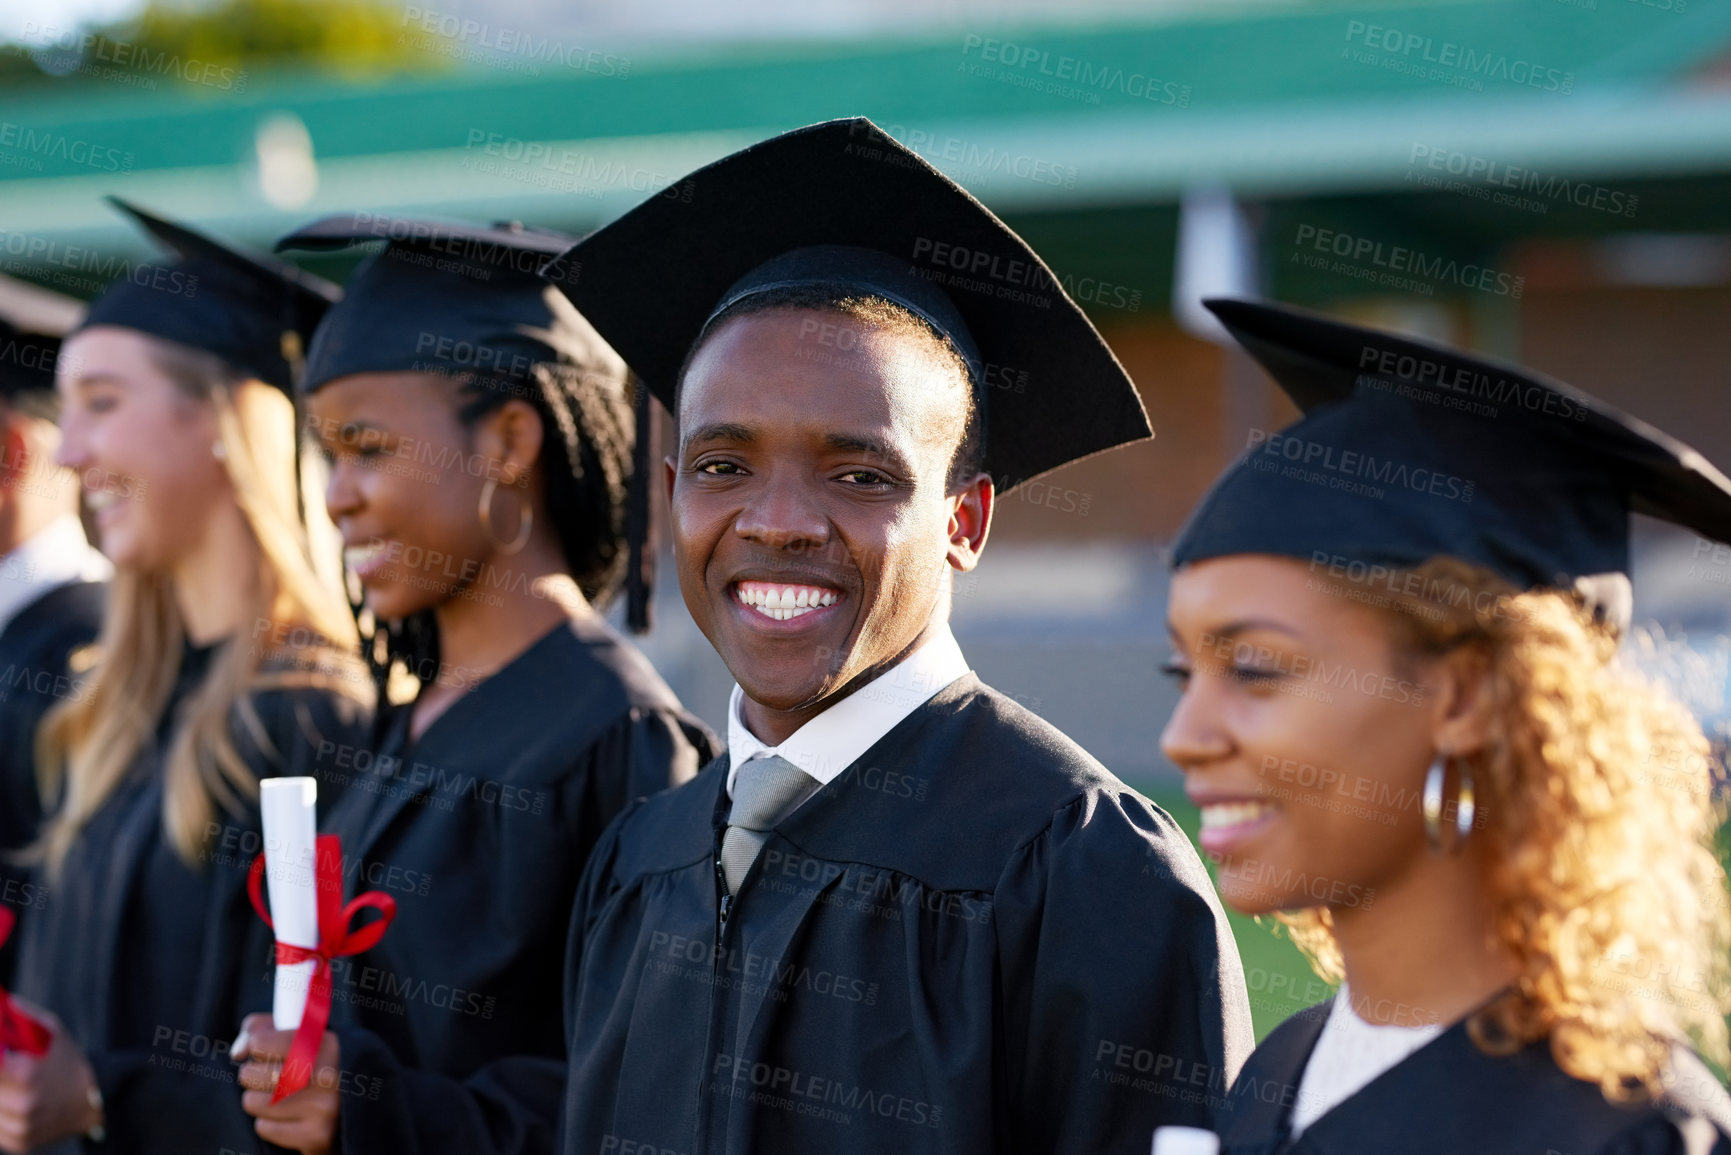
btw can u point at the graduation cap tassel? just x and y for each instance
(294, 353)
(639, 560)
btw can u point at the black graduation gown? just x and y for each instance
(975, 939)
(1450, 1098)
(35, 649)
(150, 963)
(449, 1030)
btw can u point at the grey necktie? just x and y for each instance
(765, 791)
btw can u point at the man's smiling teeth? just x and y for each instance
(784, 602)
(1219, 815)
(100, 499)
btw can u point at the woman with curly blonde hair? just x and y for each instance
(1403, 718)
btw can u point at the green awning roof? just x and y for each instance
(1294, 100)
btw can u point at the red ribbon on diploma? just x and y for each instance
(336, 939)
(18, 1031)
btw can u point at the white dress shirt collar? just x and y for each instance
(835, 739)
(57, 554)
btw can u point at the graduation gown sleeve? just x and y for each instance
(1116, 1021)
(167, 1084)
(596, 887)
(510, 1102)
(179, 1093)
(35, 675)
(509, 1105)
(161, 1058)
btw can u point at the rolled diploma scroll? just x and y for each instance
(287, 806)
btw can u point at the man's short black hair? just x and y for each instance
(879, 313)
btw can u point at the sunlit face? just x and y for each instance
(1301, 736)
(811, 524)
(405, 486)
(142, 449)
(29, 446)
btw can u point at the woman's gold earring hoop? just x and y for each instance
(1465, 808)
(524, 525)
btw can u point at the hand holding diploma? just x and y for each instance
(47, 1089)
(294, 1108)
(305, 1121)
(49, 1096)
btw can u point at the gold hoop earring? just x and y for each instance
(524, 524)
(1465, 807)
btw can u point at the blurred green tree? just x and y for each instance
(343, 37)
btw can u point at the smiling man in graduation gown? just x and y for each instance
(903, 914)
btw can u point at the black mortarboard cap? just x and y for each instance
(447, 298)
(844, 205)
(31, 322)
(1409, 450)
(253, 311)
(26, 362)
(468, 301)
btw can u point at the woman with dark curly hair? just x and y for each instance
(1412, 742)
(480, 435)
